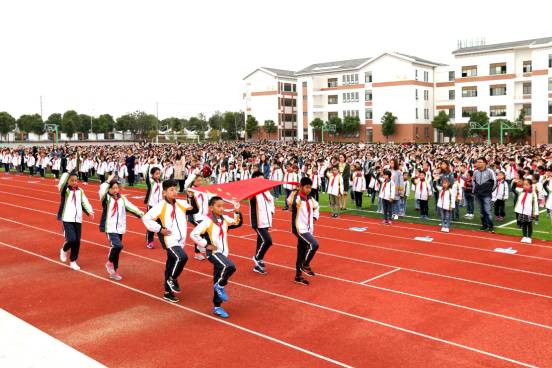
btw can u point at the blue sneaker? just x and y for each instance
(220, 312)
(220, 292)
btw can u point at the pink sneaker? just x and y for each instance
(116, 276)
(110, 268)
(149, 246)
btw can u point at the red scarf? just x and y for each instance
(173, 213)
(115, 206)
(421, 187)
(525, 193)
(333, 179)
(266, 198)
(74, 190)
(156, 188)
(221, 229)
(384, 185)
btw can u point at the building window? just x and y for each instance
(452, 94)
(288, 102)
(416, 74)
(350, 79)
(332, 82)
(498, 90)
(466, 111)
(350, 97)
(368, 77)
(469, 71)
(332, 100)
(451, 113)
(294, 87)
(304, 84)
(426, 132)
(527, 88)
(353, 113)
(416, 113)
(416, 93)
(498, 111)
(426, 114)
(550, 84)
(550, 60)
(417, 133)
(451, 76)
(498, 68)
(527, 66)
(287, 87)
(369, 135)
(426, 95)
(426, 76)
(368, 96)
(368, 114)
(527, 110)
(469, 91)
(549, 107)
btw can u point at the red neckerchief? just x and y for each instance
(156, 188)
(74, 190)
(115, 206)
(266, 197)
(173, 213)
(221, 229)
(443, 196)
(421, 187)
(526, 192)
(306, 199)
(498, 185)
(333, 179)
(384, 185)
(200, 197)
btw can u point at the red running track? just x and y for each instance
(413, 317)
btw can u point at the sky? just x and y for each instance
(181, 58)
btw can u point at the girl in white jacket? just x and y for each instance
(446, 202)
(358, 186)
(387, 195)
(422, 192)
(113, 222)
(527, 209)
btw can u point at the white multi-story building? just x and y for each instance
(271, 94)
(500, 79)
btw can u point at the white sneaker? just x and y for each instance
(443, 230)
(396, 217)
(62, 255)
(529, 241)
(74, 266)
(447, 230)
(523, 240)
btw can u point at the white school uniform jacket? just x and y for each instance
(202, 203)
(217, 230)
(85, 166)
(41, 162)
(102, 168)
(459, 188)
(31, 161)
(16, 160)
(73, 202)
(446, 199)
(501, 191)
(291, 177)
(245, 175)
(6, 158)
(387, 190)
(316, 181)
(123, 171)
(222, 178)
(407, 188)
(262, 209)
(167, 172)
(335, 184)
(548, 204)
(422, 190)
(154, 190)
(56, 163)
(169, 216)
(110, 166)
(277, 175)
(527, 203)
(305, 210)
(359, 183)
(71, 164)
(114, 210)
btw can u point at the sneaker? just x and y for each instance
(447, 230)
(220, 292)
(62, 255)
(149, 246)
(384, 222)
(443, 229)
(395, 217)
(301, 280)
(483, 228)
(219, 311)
(110, 268)
(199, 257)
(170, 297)
(529, 241)
(491, 230)
(116, 276)
(74, 266)
(523, 240)
(258, 263)
(307, 270)
(173, 285)
(259, 269)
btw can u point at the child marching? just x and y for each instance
(113, 222)
(154, 194)
(216, 227)
(73, 203)
(168, 219)
(261, 211)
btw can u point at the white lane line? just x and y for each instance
(197, 312)
(319, 274)
(335, 256)
(373, 321)
(514, 221)
(377, 277)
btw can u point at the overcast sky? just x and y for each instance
(114, 56)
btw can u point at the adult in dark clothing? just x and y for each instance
(130, 161)
(484, 182)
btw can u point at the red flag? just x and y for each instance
(237, 191)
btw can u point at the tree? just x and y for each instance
(317, 124)
(233, 123)
(85, 124)
(106, 122)
(70, 122)
(388, 121)
(7, 123)
(270, 127)
(441, 123)
(198, 124)
(251, 126)
(336, 122)
(30, 124)
(214, 134)
(481, 120)
(216, 121)
(55, 119)
(124, 122)
(174, 124)
(351, 124)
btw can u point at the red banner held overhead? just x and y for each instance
(237, 191)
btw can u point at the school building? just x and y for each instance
(500, 79)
